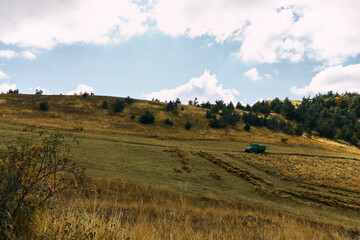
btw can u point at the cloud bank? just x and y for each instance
(338, 79)
(5, 87)
(81, 88)
(205, 88)
(9, 54)
(44, 24)
(271, 31)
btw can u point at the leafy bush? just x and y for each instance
(247, 127)
(119, 106)
(147, 118)
(284, 140)
(44, 106)
(206, 105)
(171, 107)
(105, 105)
(132, 116)
(209, 114)
(34, 168)
(188, 125)
(129, 100)
(216, 123)
(168, 122)
(85, 94)
(39, 92)
(13, 91)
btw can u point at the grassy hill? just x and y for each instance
(307, 180)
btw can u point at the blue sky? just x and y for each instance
(229, 50)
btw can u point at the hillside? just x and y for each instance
(68, 112)
(305, 180)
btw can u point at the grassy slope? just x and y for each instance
(115, 146)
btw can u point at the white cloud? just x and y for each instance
(205, 88)
(28, 55)
(81, 88)
(7, 54)
(270, 31)
(4, 88)
(12, 54)
(44, 24)
(267, 75)
(252, 74)
(338, 79)
(3, 75)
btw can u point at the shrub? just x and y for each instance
(206, 105)
(208, 114)
(182, 108)
(13, 91)
(147, 118)
(44, 106)
(247, 127)
(168, 122)
(299, 130)
(284, 140)
(34, 168)
(119, 106)
(132, 116)
(129, 100)
(39, 92)
(188, 125)
(85, 94)
(105, 105)
(216, 123)
(171, 107)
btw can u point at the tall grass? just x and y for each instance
(115, 209)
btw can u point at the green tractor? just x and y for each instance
(255, 148)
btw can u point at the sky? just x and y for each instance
(230, 50)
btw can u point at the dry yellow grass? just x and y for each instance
(332, 172)
(117, 209)
(67, 112)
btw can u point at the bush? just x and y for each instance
(15, 91)
(39, 92)
(105, 105)
(216, 123)
(208, 114)
(34, 168)
(188, 125)
(44, 106)
(299, 130)
(168, 122)
(147, 118)
(171, 107)
(129, 100)
(247, 127)
(206, 105)
(119, 106)
(132, 116)
(85, 94)
(284, 140)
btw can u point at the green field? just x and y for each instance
(153, 161)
